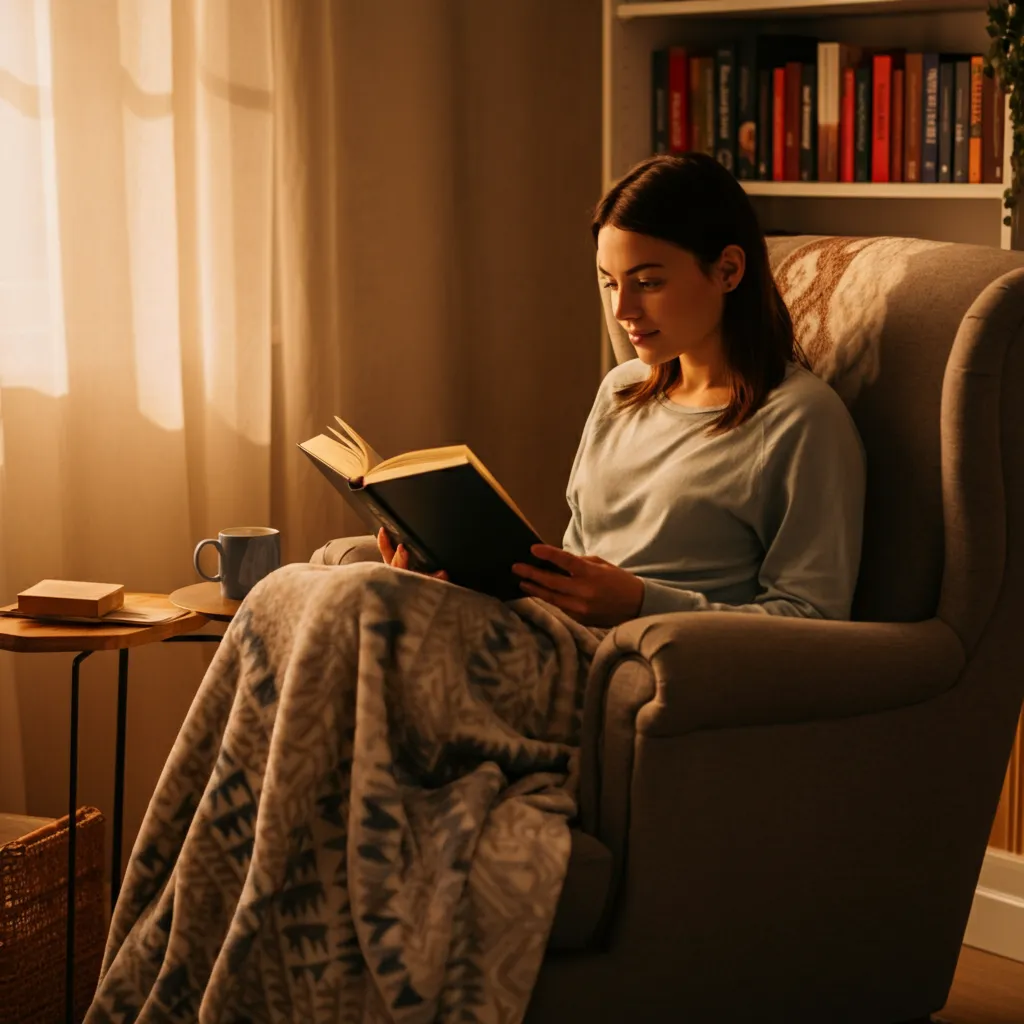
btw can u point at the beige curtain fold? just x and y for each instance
(135, 190)
(437, 162)
(225, 222)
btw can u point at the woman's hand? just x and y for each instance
(398, 558)
(596, 593)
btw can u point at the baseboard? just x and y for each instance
(996, 924)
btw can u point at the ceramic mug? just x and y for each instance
(247, 554)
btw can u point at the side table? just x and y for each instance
(37, 637)
(205, 599)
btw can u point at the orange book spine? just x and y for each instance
(974, 133)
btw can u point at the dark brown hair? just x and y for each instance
(691, 200)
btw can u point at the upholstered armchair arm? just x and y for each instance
(676, 704)
(713, 670)
(344, 550)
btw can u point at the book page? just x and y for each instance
(424, 458)
(340, 458)
(370, 458)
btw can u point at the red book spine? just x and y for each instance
(678, 100)
(847, 124)
(779, 124)
(881, 111)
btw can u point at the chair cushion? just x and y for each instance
(583, 894)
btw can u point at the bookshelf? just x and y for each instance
(632, 31)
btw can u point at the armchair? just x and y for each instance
(785, 819)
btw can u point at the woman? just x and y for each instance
(716, 472)
(365, 816)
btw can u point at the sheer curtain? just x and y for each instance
(135, 342)
(224, 221)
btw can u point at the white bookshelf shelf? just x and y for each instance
(870, 190)
(734, 8)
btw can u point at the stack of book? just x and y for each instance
(793, 108)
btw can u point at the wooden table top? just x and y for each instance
(205, 598)
(36, 637)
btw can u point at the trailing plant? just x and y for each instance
(1005, 62)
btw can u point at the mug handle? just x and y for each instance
(220, 552)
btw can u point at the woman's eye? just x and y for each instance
(646, 283)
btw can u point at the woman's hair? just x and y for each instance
(692, 201)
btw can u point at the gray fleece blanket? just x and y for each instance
(365, 815)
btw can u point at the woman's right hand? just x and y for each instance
(398, 558)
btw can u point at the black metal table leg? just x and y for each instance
(122, 722)
(69, 954)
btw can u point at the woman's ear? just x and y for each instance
(730, 267)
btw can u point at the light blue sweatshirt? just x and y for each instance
(765, 518)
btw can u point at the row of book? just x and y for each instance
(792, 108)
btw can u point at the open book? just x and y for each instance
(443, 504)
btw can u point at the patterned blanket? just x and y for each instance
(365, 815)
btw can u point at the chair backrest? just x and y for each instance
(916, 336)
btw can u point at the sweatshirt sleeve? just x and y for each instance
(811, 504)
(572, 541)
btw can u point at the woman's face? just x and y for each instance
(664, 301)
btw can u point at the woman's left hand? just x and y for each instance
(596, 593)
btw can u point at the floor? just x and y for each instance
(987, 989)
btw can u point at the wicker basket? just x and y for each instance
(33, 899)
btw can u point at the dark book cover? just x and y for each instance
(746, 110)
(862, 124)
(725, 106)
(461, 525)
(808, 122)
(961, 119)
(449, 518)
(708, 97)
(947, 71)
(659, 101)
(913, 106)
(930, 117)
(763, 135)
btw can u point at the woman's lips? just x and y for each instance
(639, 339)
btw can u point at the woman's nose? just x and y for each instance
(625, 305)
